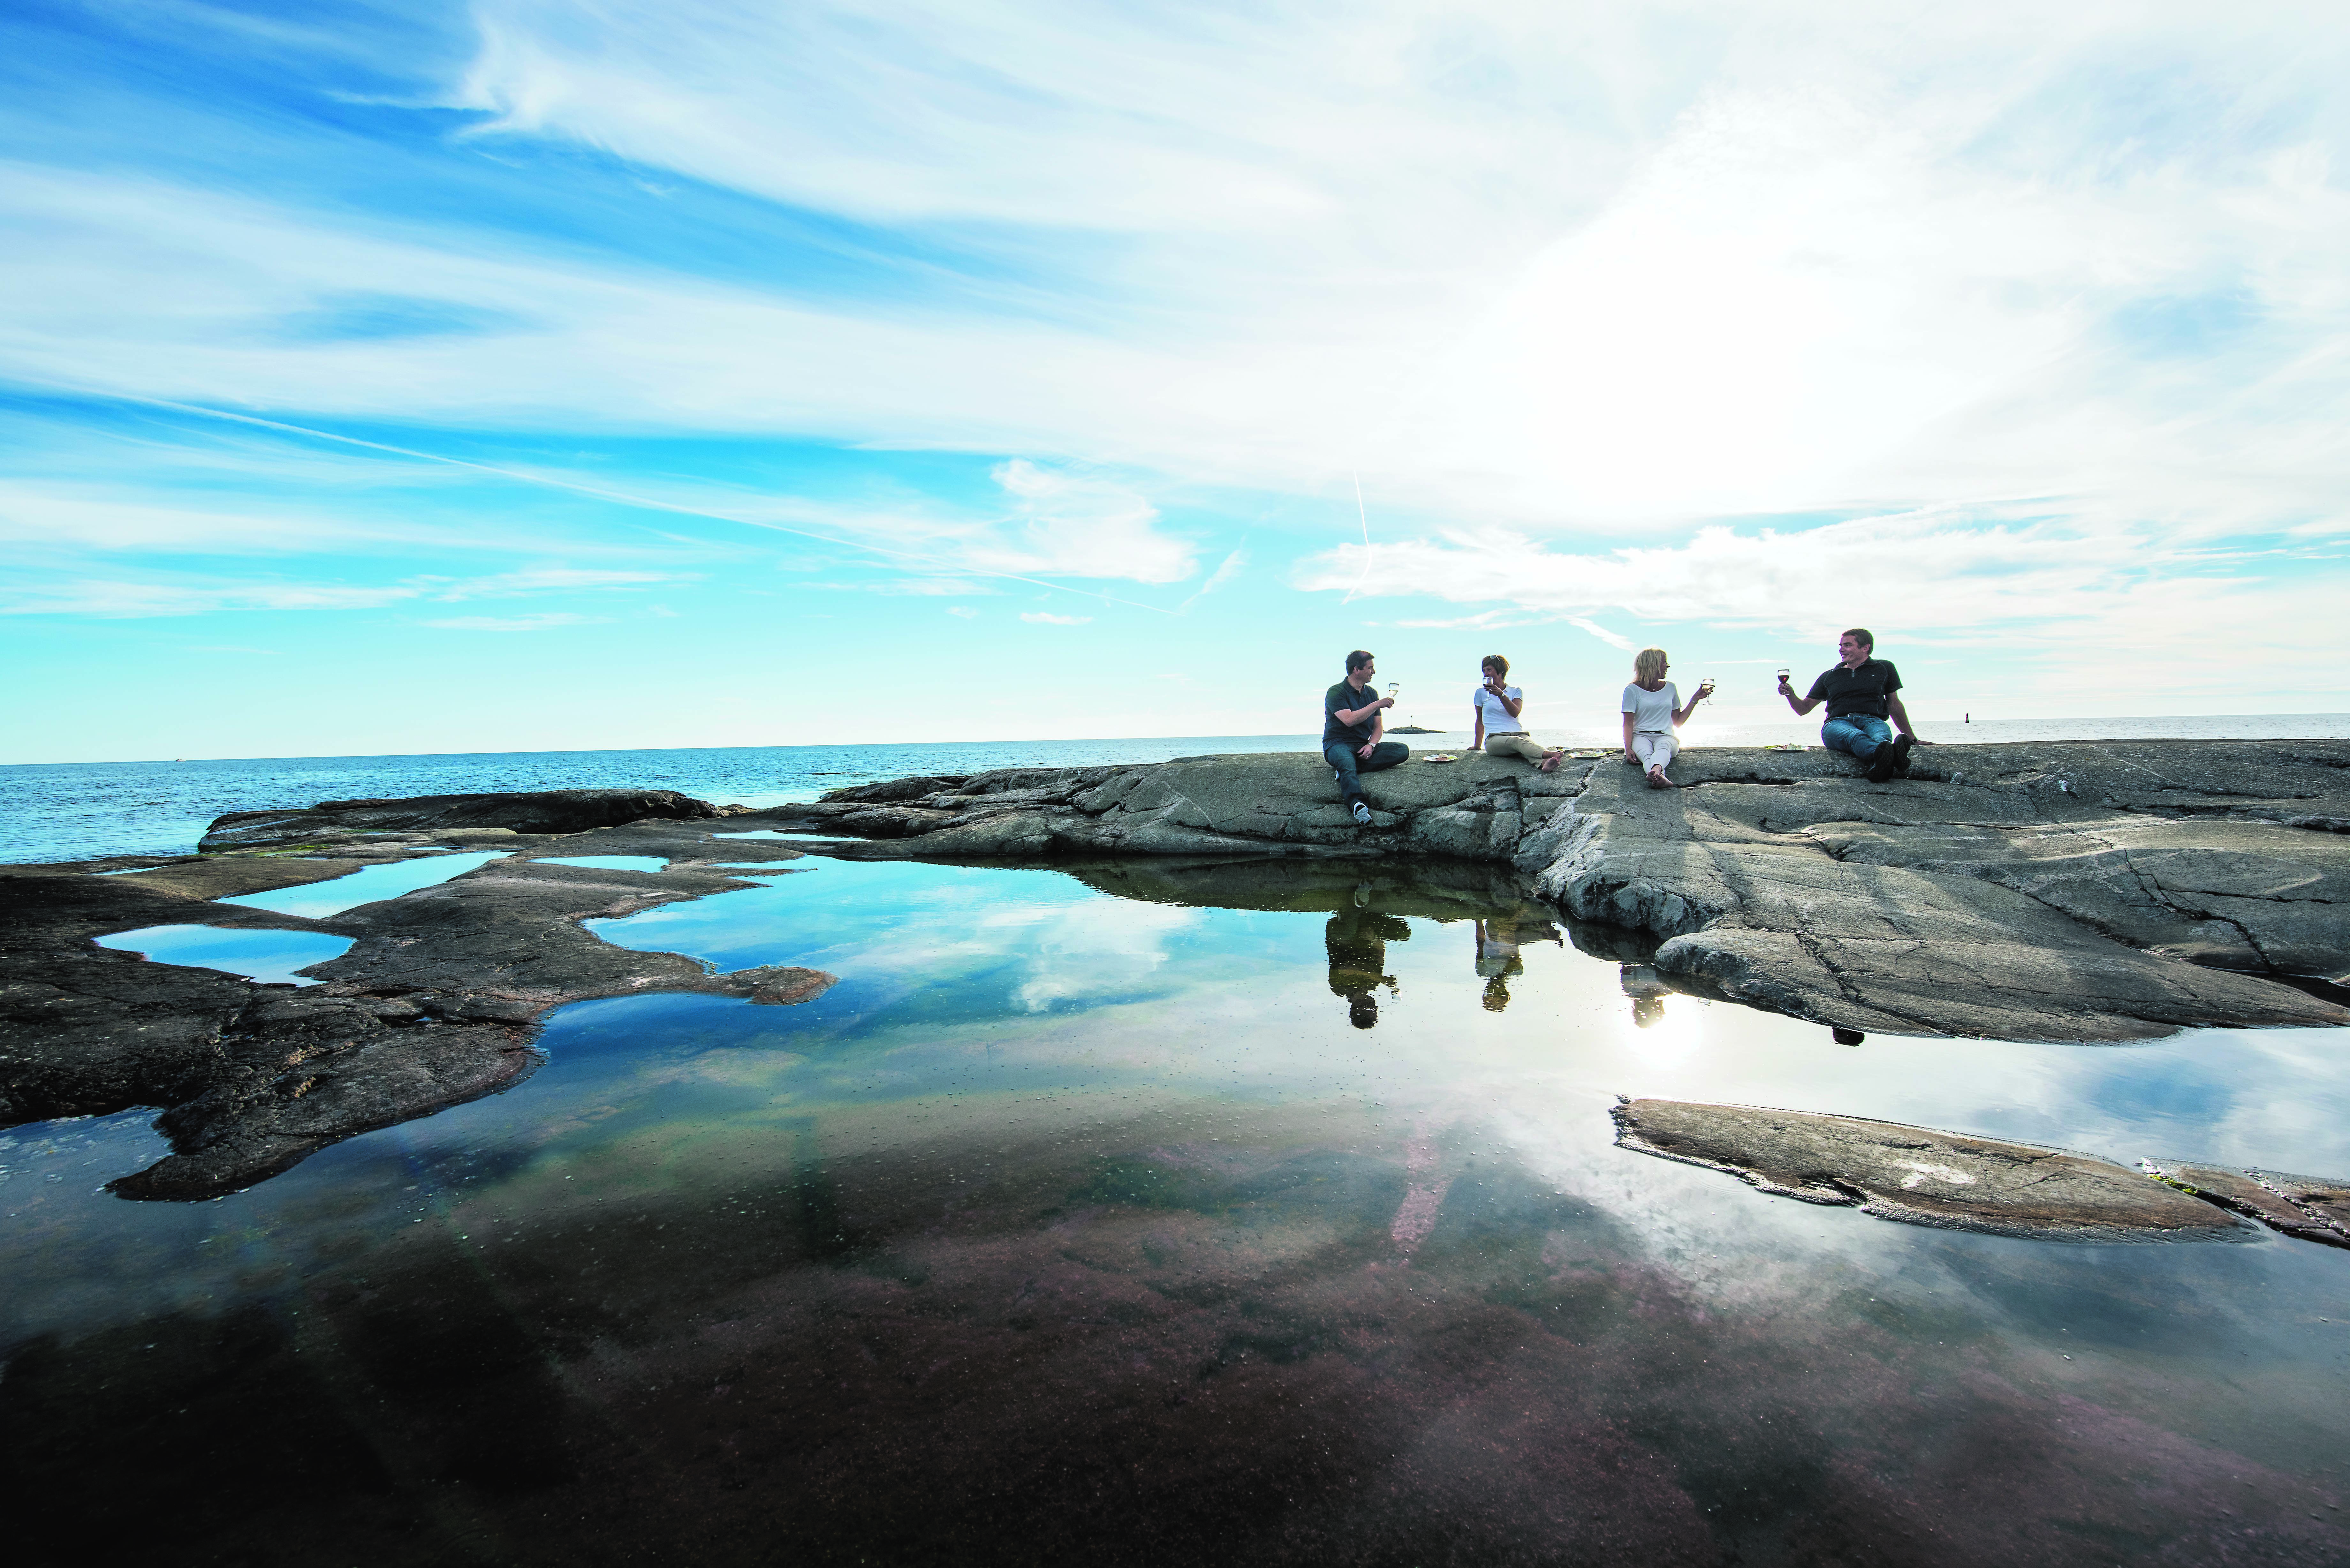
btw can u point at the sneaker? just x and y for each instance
(1901, 744)
(1881, 766)
(1362, 815)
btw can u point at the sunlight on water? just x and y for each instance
(1182, 1182)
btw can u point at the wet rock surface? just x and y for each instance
(2311, 1207)
(1920, 1176)
(435, 1002)
(2104, 890)
(536, 811)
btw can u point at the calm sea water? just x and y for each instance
(70, 810)
(1154, 1214)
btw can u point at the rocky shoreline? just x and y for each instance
(2066, 892)
(2049, 891)
(436, 1001)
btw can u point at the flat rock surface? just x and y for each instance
(1921, 1176)
(2310, 1207)
(534, 811)
(435, 1002)
(2106, 890)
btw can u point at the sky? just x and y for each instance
(535, 375)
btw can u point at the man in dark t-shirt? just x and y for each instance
(1862, 691)
(1353, 719)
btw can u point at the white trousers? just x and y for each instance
(1654, 750)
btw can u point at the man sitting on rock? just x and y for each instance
(1351, 726)
(1861, 692)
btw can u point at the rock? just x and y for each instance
(782, 985)
(436, 1001)
(2309, 1206)
(1920, 1176)
(541, 811)
(911, 788)
(2108, 890)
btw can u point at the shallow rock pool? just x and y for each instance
(1168, 1214)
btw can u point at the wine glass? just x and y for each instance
(1705, 686)
(1393, 686)
(1783, 676)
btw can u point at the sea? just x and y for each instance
(70, 811)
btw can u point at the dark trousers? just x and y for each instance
(1341, 757)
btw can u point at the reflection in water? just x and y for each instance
(1357, 942)
(1498, 939)
(1648, 991)
(1076, 1224)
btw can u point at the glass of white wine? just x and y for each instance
(1394, 687)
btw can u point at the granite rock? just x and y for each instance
(436, 1001)
(1920, 1175)
(2107, 891)
(2313, 1208)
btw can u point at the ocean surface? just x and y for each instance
(64, 811)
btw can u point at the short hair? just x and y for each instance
(1863, 635)
(1496, 663)
(1648, 663)
(1357, 660)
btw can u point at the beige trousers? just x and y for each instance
(1517, 744)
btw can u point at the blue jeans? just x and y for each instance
(1340, 755)
(1860, 735)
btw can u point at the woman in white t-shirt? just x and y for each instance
(1498, 705)
(1652, 714)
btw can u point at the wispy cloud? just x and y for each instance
(1046, 617)
(548, 621)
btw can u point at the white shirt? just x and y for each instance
(1652, 711)
(1498, 721)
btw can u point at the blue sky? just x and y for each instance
(531, 375)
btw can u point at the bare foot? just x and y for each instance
(1657, 780)
(1549, 763)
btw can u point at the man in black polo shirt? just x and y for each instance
(1862, 691)
(1351, 726)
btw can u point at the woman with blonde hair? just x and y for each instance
(1652, 711)
(1498, 705)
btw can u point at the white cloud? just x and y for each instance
(1045, 618)
(546, 622)
(1078, 526)
(1542, 273)
(198, 596)
(2104, 598)
(963, 612)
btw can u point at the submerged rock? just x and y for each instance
(2311, 1207)
(1920, 1176)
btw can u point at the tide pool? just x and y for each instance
(1262, 1212)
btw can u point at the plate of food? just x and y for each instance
(1439, 757)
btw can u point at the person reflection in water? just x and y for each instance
(1356, 940)
(1640, 984)
(1497, 953)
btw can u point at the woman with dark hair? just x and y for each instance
(1498, 705)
